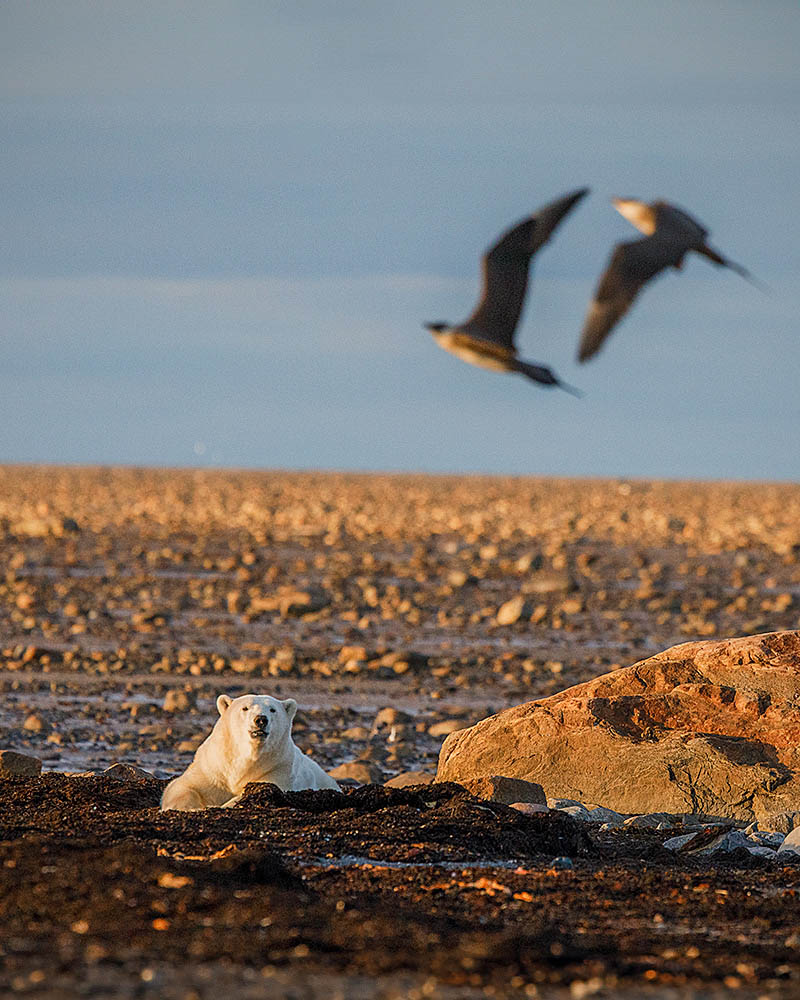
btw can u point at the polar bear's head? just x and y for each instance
(260, 723)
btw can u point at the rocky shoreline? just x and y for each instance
(400, 612)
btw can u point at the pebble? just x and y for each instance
(562, 864)
(767, 838)
(608, 817)
(512, 611)
(505, 790)
(126, 772)
(302, 602)
(549, 584)
(355, 733)
(577, 811)
(22, 764)
(564, 803)
(446, 727)
(410, 778)
(357, 770)
(529, 808)
(676, 843)
(189, 746)
(389, 718)
(349, 653)
(118, 771)
(762, 852)
(712, 840)
(779, 822)
(176, 700)
(654, 821)
(792, 842)
(33, 723)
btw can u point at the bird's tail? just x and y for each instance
(717, 258)
(544, 376)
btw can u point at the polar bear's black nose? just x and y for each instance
(259, 722)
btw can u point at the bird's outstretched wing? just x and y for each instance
(631, 266)
(505, 272)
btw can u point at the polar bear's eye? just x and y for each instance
(272, 710)
(245, 707)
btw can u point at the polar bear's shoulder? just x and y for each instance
(306, 773)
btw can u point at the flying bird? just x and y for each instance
(670, 233)
(486, 339)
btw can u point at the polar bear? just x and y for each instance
(251, 741)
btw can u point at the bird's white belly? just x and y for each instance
(470, 354)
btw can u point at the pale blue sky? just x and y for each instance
(222, 225)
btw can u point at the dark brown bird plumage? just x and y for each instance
(670, 234)
(486, 338)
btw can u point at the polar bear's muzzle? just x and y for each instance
(259, 727)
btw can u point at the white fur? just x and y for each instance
(231, 756)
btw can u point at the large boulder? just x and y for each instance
(705, 727)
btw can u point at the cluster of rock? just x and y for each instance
(777, 835)
(424, 571)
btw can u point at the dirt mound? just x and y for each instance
(423, 821)
(442, 822)
(155, 907)
(54, 802)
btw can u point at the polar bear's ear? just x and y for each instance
(290, 705)
(222, 703)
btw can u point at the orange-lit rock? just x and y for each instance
(704, 727)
